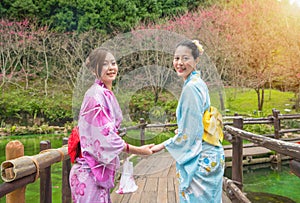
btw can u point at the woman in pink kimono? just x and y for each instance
(92, 175)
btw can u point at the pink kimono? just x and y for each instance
(92, 176)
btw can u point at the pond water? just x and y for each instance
(264, 183)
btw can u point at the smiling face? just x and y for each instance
(184, 62)
(109, 70)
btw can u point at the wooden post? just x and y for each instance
(276, 134)
(15, 149)
(45, 177)
(66, 167)
(276, 123)
(142, 133)
(237, 155)
(295, 167)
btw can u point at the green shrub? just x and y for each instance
(25, 107)
(260, 129)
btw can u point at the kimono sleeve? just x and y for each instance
(97, 129)
(187, 144)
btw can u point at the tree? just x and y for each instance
(261, 41)
(291, 51)
(105, 16)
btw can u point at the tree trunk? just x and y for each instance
(156, 95)
(297, 103)
(260, 97)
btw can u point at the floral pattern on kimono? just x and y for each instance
(92, 176)
(199, 165)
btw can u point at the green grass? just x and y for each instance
(244, 101)
(151, 136)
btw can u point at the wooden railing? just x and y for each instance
(274, 142)
(275, 120)
(233, 133)
(42, 169)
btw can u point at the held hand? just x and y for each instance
(146, 149)
(157, 148)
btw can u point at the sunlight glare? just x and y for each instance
(295, 2)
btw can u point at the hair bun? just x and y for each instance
(199, 46)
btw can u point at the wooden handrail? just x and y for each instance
(44, 172)
(290, 149)
(283, 147)
(234, 192)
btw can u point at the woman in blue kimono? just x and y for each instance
(199, 165)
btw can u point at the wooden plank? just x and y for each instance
(253, 151)
(151, 184)
(162, 168)
(159, 188)
(114, 196)
(176, 189)
(125, 198)
(156, 168)
(172, 197)
(158, 163)
(168, 165)
(172, 171)
(171, 186)
(143, 166)
(136, 196)
(140, 168)
(149, 197)
(162, 196)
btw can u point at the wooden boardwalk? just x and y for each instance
(155, 177)
(248, 150)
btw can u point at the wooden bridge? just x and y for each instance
(155, 177)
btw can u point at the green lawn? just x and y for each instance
(244, 101)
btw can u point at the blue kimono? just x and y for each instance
(199, 165)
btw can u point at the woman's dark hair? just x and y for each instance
(191, 45)
(95, 60)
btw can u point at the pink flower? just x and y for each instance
(80, 189)
(74, 180)
(97, 144)
(105, 131)
(98, 149)
(83, 141)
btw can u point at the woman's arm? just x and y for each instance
(158, 147)
(142, 150)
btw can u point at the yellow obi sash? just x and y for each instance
(213, 127)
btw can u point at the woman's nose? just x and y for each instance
(180, 61)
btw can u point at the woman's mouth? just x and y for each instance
(180, 70)
(111, 73)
